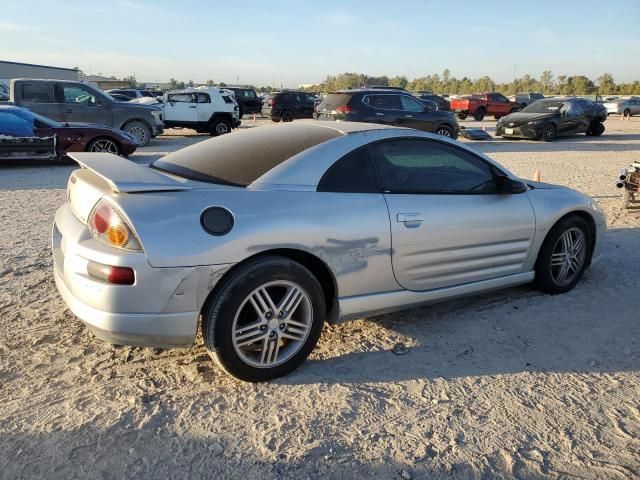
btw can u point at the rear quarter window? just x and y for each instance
(37, 93)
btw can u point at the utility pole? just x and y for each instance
(514, 72)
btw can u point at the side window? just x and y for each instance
(37, 93)
(227, 99)
(385, 102)
(423, 166)
(202, 98)
(353, 173)
(180, 98)
(410, 105)
(500, 98)
(575, 109)
(77, 94)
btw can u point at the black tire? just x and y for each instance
(220, 311)
(497, 117)
(287, 116)
(462, 116)
(596, 129)
(95, 145)
(140, 131)
(548, 132)
(240, 111)
(445, 131)
(219, 126)
(274, 119)
(479, 114)
(626, 113)
(545, 279)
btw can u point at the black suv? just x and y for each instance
(389, 107)
(443, 103)
(289, 105)
(248, 100)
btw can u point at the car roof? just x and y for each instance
(372, 90)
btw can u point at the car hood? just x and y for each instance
(519, 118)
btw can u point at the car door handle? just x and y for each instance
(410, 217)
(408, 116)
(380, 114)
(192, 106)
(68, 111)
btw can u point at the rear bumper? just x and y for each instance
(160, 309)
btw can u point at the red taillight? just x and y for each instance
(107, 225)
(344, 109)
(111, 274)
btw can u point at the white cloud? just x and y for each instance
(12, 27)
(339, 19)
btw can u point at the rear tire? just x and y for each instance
(250, 328)
(287, 116)
(219, 126)
(479, 114)
(104, 145)
(596, 129)
(564, 256)
(274, 119)
(462, 116)
(497, 117)
(626, 113)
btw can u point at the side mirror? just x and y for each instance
(510, 186)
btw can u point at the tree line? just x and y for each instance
(445, 83)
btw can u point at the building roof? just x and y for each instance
(40, 66)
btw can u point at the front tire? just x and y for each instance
(287, 116)
(548, 132)
(104, 145)
(626, 113)
(265, 320)
(140, 131)
(564, 255)
(462, 116)
(445, 131)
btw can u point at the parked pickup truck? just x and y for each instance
(483, 104)
(67, 101)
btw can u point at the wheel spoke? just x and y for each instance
(293, 303)
(249, 334)
(296, 324)
(575, 264)
(262, 303)
(578, 244)
(293, 335)
(557, 259)
(563, 272)
(270, 351)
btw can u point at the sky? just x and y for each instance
(287, 42)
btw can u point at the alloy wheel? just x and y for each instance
(139, 134)
(222, 128)
(106, 146)
(548, 133)
(272, 324)
(444, 132)
(568, 256)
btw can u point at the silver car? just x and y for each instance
(626, 106)
(261, 236)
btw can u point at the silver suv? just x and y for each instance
(67, 101)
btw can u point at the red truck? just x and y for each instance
(483, 104)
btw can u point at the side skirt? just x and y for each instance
(386, 302)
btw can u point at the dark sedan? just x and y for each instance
(554, 117)
(388, 107)
(17, 122)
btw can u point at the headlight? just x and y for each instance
(158, 116)
(535, 122)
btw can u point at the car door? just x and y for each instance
(415, 115)
(385, 109)
(571, 114)
(83, 104)
(181, 108)
(449, 224)
(499, 104)
(204, 108)
(39, 97)
(634, 106)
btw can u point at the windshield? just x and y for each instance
(543, 107)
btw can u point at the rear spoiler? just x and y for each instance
(125, 176)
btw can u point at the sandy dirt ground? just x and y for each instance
(515, 384)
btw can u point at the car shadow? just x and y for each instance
(592, 328)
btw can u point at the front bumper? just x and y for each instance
(615, 110)
(157, 130)
(530, 132)
(160, 309)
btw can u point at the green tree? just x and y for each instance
(606, 84)
(210, 83)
